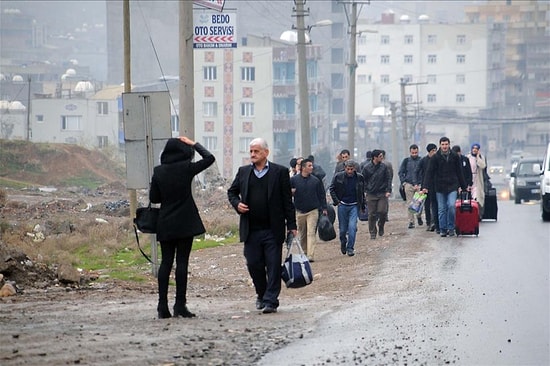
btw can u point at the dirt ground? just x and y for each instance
(114, 322)
(100, 321)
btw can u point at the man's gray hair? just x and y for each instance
(259, 141)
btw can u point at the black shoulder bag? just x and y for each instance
(146, 221)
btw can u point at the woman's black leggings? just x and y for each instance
(180, 249)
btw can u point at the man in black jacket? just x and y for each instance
(347, 192)
(446, 175)
(378, 188)
(261, 195)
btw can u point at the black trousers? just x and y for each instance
(263, 260)
(180, 249)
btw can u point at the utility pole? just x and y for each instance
(186, 67)
(405, 127)
(29, 109)
(352, 68)
(394, 148)
(303, 87)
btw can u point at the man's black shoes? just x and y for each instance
(268, 309)
(259, 304)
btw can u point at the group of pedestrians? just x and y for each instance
(273, 201)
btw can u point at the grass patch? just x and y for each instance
(13, 184)
(86, 181)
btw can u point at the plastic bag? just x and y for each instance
(417, 203)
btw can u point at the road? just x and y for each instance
(467, 300)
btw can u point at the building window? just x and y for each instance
(460, 98)
(338, 106)
(408, 78)
(362, 40)
(247, 109)
(408, 59)
(102, 141)
(409, 98)
(461, 39)
(460, 78)
(361, 79)
(432, 59)
(210, 73)
(244, 144)
(337, 30)
(384, 98)
(384, 79)
(385, 59)
(71, 123)
(210, 142)
(408, 39)
(460, 59)
(337, 55)
(210, 109)
(337, 81)
(39, 118)
(432, 98)
(432, 38)
(175, 123)
(432, 79)
(385, 39)
(102, 108)
(248, 73)
(362, 59)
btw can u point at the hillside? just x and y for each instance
(25, 163)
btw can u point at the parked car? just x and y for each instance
(526, 179)
(545, 186)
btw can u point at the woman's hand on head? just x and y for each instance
(187, 140)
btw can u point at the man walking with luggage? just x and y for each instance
(445, 174)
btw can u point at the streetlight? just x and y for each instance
(301, 29)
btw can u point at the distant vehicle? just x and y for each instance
(496, 169)
(545, 186)
(526, 178)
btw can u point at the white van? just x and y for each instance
(545, 186)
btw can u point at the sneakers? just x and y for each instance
(451, 233)
(269, 309)
(420, 222)
(431, 228)
(411, 225)
(351, 253)
(443, 233)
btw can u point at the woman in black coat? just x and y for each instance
(179, 219)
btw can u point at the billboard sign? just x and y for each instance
(212, 30)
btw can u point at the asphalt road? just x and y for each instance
(464, 300)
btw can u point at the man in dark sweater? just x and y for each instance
(309, 199)
(261, 195)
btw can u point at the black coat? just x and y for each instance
(171, 187)
(444, 173)
(279, 196)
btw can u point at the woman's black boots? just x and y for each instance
(181, 310)
(163, 311)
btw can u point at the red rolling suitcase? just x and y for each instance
(466, 215)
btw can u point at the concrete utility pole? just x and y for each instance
(132, 195)
(405, 127)
(352, 68)
(394, 148)
(187, 81)
(303, 86)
